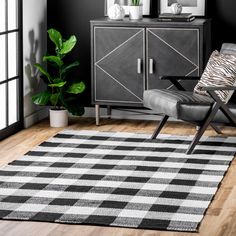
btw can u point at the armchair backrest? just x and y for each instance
(229, 48)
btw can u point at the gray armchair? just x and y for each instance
(191, 107)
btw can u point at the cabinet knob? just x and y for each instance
(151, 66)
(139, 66)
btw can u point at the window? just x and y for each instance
(10, 67)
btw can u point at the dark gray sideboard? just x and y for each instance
(129, 57)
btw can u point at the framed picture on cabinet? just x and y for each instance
(196, 7)
(149, 6)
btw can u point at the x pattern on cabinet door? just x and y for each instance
(174, 52)
(118, 67)
(191, 62)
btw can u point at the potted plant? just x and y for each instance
(136, 10)
(62, 90)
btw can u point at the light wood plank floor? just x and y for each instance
(220, 219)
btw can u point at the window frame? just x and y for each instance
(19, 124)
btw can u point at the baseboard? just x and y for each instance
(35, 117)
(129, 114)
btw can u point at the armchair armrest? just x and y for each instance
(175, 80)
(179, 78)
(217, 88)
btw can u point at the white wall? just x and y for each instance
(34, 47)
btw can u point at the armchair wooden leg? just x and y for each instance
(203, 128)
(214, 127)
(217, 129)
(160, 126)
(223, 107)
(196, 139)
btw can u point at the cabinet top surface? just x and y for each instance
(146, 22)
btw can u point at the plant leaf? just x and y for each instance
(55, 37)
(74, 108)
(76, 88)
(73, 104)
(76, 111)
(54, 98)
(58, 85)
(41, 99)
(68, 45)
(57, 80)
(53, 59)
(43, 71)
(45, 79)
(69, 67)
(135, 2)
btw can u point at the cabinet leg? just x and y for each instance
(97, 109)
(109, 111)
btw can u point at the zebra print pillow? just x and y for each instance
(220, 71)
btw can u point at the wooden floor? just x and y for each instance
(220, 219)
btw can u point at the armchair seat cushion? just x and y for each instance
(178, 104)
(182, 105)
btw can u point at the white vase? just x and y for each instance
(136, 12)
(176, 8)
(116, 12)
(58, 118)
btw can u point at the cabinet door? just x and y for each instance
(119, 59)
(173, 52)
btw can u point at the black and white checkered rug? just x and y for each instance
(116, 179)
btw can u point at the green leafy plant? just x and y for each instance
(61, 88)
(136, 2)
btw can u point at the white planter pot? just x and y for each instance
(136, 12)
(58, 118)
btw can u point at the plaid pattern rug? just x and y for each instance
(116, 179)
